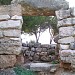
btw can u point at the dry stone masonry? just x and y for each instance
(10, 34)
(40, 53)
(66, 25)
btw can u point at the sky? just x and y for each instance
(45, 37)
(71, 3)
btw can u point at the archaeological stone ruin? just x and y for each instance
(66, 25)
(10, 34)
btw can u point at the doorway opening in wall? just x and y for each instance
(39, 29)
(38, 37)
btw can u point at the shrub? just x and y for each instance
(21, 71)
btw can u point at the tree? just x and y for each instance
(51, 22)
(37, 24)
(33, 25)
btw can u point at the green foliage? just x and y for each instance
(32, 23)
(5, 2)
(55, 62)
(20, 71)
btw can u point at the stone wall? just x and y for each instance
(10, 34)
(41, 53)
(66, 25)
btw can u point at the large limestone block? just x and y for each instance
(7, 61)
(10, 42)
(66, 40)
(15, 9)
(66, 31)
(4, 17)
(11, 10)
(65, 53)
(51, 4)
(66, 59)
(10, 50)
(62, 14)
(66, 22)
(64, 47)
(73, 11)
(11, 24)
(12, 33)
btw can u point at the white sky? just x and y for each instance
(45, 37)
(71, 3)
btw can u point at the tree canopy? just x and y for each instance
(32, 23)
(37, 24)
(5, 2)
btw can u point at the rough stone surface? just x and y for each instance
(66, 40)
(66, 22)
(7, 61)
(13, 9)
(4, 17)
(65, 53)
(66, 31)
(63, 14)
(73, 11)
(12, 33)
(32, 7)
(42, 66)
(11, 24)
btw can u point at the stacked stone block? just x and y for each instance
(66, 26)
(42, 53)
(10, 34)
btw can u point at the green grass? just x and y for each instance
(21, 71)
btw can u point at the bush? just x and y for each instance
(21, 71)
(5, 2)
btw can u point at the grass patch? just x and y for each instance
(21, 71)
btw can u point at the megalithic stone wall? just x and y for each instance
(66, 26)
(10, 34)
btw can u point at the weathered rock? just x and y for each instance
(38, 49)
(11, 10)
(10, 50)
(10, 42)
(32, 53)
(43, 53)
(4, 17)
(66, 59)
(1, 34)
(65, 53)
(73, 11)
(27, 53)
(66, 40)
(12, 33)
(33, 49)
(19, 59)
(25, 48)
(72, 45)
(33, 7)
(66, 31)
(9, 71)
(66, 22)
(45, 58)
(36, 57)
(10, 24)
(7, 61)
(65, 47)
(42, 66)
(63, 14)
(65, 66)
